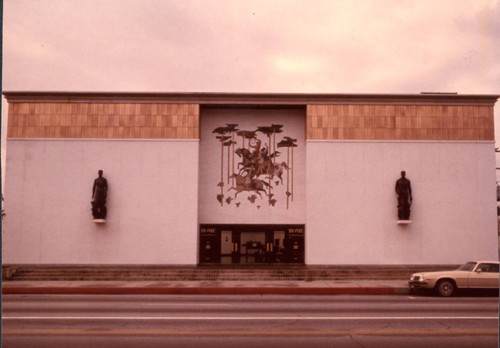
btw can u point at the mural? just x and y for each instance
(260, 169)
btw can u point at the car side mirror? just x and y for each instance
(479, 270)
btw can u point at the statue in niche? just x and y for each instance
(405, 199)
(99, 193)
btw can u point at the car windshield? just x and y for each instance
(469, 266)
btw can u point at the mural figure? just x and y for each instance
(231, 128)
(99, 193)
(405, 199)
(288, 143)
(258, 170)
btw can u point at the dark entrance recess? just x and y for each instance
(251, 244)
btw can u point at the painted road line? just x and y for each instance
(83, 290)
(246, 333)
(245, 318)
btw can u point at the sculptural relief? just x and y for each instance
(258, 171)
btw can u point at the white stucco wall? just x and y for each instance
(240, 210)
(351, 202)
(152, 202)
(345, 197)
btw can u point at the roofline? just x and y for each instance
(239, 99)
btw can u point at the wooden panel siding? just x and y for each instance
(103, 120)
(400, 122)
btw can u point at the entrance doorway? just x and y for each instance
(251, 244)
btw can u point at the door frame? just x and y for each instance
(210, 234)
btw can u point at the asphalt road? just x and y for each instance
(248, 321)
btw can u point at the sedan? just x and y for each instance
(471, 275)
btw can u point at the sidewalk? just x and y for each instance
(319, 287)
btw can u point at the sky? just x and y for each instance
(286, 46)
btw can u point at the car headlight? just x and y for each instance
(417, 277)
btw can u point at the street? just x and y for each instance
(248, 321)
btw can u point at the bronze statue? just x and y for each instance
(99, 193)
(405, 199)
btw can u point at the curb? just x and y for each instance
(205, 290)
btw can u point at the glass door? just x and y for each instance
(226, 247)
(236, 247)
(278, 246)
(253, 247)
(229, 247)
(251, 244)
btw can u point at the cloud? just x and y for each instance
(320, 46)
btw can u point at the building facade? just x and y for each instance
(201, 178)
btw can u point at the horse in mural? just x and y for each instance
(277, 169)
(246, 183)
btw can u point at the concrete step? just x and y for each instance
(212, 273)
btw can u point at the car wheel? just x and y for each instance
(445, 288)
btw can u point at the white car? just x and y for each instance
(472, 275)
